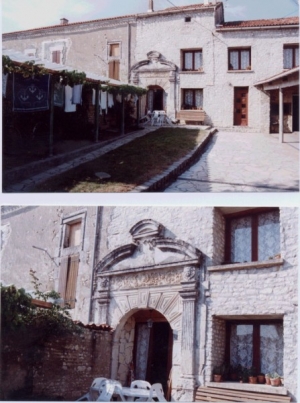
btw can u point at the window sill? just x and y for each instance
(278, 390)
(191, 72)
(249, 265)
(240, 71)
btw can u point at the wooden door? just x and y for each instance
(241, 106)
(295, 113)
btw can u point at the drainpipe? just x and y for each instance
(129, 50)
(97, 238)
(280, 115)
(51, 116)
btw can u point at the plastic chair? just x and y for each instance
(107, 388)
(93, 393)
(157, 388)
(155, 118)
(141, 385)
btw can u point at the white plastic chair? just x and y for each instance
(154, 118)
(107, 388)
(157, 388)
(93, 393)
(141, 385)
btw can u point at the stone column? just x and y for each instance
(172, 95)
(103, 300)
(280, 115)
(189, 295)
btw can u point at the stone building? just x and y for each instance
(185, 289)
(241, 73)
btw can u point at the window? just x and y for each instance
(114, 69)
(290, 56)
(114, 50)
(68, 279)
(188, 19)
(56, 56)
(239, 59)
(72, 235)
(256, 343)
(252, 237)
(192, 99)
(192, 60)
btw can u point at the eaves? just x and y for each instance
(262, 28)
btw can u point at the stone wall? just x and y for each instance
(258, 291)
(65, 368)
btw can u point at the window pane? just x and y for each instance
(241, 345)
(75, 234)
(114, 50)
(245, 59)
(268, 235)
(188, 61)
(271, 348)
(198, 60)
(188, 98)
(234, 59)
(241, 240)
(296, 57)
(287, 58)
(199, 98)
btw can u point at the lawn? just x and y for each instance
(129, 165)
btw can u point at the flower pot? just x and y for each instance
(275, 382)
(268, 380)
(217, 378)
(252, 379)
(233, 377)
(261, 378)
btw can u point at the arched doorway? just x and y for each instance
(153, 345)
(155, 98)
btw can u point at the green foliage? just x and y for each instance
(125, 89)
(21, 316)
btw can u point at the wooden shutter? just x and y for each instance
(63, 277)
(56, 56)
(114, 69)
(73, 266)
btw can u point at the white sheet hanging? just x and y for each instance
(94, 97)
(103, 100)
(4, 84)
(69, 106)
(110, 101)
(77, 91)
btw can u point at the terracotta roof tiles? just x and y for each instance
(261, 23)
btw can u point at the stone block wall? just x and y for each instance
(65, 369)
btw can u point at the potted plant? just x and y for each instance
(268, 379)
(244, 375)
(252, 375)
(261, 378)
(234, 372)
(218, 373)
(275, 379)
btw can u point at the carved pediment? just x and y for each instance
(150, 250)
(155, 62)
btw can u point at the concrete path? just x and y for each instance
(28, 184)
(244, 162)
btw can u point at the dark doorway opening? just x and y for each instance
(153, 348)
(155, 98)
(295, 113)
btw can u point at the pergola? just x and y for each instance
(280, 82)
(16, 62)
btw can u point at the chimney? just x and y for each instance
(64, 21)
(150, 7)
(206, 2)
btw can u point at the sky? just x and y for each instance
(18, 15)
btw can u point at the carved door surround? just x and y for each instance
(153, 272)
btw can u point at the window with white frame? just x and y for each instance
(114, 54)
(55, 51)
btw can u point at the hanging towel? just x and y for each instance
(30, 94)
(69, 106)
(94, 97)
(77, 91)
(119, 98)
(4, 84)
(110, 100)
(103, 100)
(58, 95)
(135, 99)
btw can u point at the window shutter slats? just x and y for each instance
(72, 280)
(63, 276)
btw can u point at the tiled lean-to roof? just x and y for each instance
(274, 22)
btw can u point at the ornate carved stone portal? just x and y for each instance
(157, 273)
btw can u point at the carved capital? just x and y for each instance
(189, 274)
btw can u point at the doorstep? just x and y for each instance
(276, 390)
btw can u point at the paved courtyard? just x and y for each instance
(244, 162)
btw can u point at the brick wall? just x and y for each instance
(65, 370)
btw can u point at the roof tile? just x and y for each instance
(261, 23)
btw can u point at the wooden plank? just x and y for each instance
(237, 395)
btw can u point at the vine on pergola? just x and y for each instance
(65, 77)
